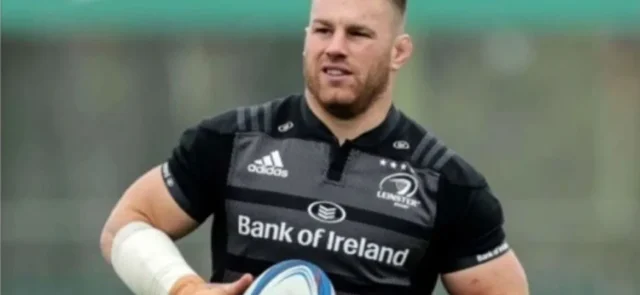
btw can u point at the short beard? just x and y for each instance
(366, 93)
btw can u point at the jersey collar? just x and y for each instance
(371, 138)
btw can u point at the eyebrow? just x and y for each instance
(357, 27)
(322, 22)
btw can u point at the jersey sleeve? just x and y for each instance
(195, 173)
(477, 236)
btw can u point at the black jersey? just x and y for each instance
(386, 213)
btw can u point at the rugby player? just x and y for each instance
(336, 175)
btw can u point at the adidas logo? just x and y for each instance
(270, 164)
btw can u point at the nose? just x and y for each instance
(337, 47)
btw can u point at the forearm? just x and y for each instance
(149, 263)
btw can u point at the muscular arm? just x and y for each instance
(178, 195)
(165, 204)
(501, 276)
(149, 201)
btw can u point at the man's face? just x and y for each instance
(348, 53)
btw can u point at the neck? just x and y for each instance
(354, 127)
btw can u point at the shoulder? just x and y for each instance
(216, 134)
(249, 118)
(429, 152)
(465, 200)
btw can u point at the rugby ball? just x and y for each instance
(292, 277)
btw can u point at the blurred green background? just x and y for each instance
(542, 96)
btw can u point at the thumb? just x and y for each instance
(239, 286)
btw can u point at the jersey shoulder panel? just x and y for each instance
(261, 117)
(250, 118)
(431, 152)
(224, 123)
(460, 172)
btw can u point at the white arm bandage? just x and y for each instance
(147, 260)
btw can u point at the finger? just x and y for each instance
(239, 286)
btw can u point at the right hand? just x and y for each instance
(200, 288)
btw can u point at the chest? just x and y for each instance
(352, 213)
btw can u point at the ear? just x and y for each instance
(401, 51)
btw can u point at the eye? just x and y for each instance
(321, 30)
(359, 34)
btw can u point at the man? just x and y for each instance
(336, 176)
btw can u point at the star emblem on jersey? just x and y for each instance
(270, 165)
(327, 212)
(399, 188)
